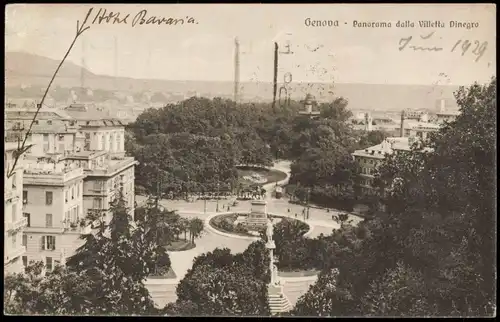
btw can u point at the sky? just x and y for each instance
(205, 50)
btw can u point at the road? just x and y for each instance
(320, 221)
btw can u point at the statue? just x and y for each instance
(270, 230)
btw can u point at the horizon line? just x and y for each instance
(241, 81)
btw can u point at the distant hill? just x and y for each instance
(24, 69)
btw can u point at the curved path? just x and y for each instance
(320, 221)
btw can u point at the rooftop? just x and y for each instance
(423, 125)
(28, 114)
(97, 116)
(85, 155)
(448, 113)
(113, 165)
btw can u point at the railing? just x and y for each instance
(9, 194)
(10, 255)
(18, 224)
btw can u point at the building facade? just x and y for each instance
(76, 165)
(53, 208)
(106, 178)
(14, 222)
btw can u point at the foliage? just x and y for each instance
(223, 284)
(432, 252)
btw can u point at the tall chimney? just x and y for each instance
(402, 129)
(236, 70)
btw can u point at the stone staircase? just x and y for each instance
(278, 302)
(295, 288)
(162, 292)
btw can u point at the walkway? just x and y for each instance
(320, 221)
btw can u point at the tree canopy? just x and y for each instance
(432, 251)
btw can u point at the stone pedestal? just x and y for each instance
(258, 214)
(278, 302)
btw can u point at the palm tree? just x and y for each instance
(196, 226)
(184, 226)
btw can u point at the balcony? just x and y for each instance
(10, 254)
(16, 225)
(10, 194)
(77, 229)
(113, 166)
(33, 177)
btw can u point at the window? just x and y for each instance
(45, 138)
(61, 137)
(25, 261)
(98, 185)
(72, 192)
(97, 203)
(77, 212)
(48, 242)
(48, 264)
(14, 240)
(14, 183)
(66, 195)
(49, 122)
(119, 142)
(25, 197)
(48, 220)
(28, 217)
(66, 216)
(48, 197)
(78, 190)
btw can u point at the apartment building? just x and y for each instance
(101, 132)
(14, 222)
(53, 208)
(106, 177)
(77, 164)
(371, 158)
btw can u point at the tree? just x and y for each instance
(432, 251)
(222, 284)
(196, 226)
(60, 292)
(117, 260)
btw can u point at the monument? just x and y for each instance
(257, 218)
(278, 302)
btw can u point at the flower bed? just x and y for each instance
(168, 274)
(225, 223)
(180, 245)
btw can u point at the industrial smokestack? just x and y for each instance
(236, 70)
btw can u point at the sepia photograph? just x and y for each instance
(264, 160)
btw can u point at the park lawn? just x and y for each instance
(180, 245)
(270, 175)
(169, 275)
(299, 273)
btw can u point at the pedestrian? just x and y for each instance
(288, 209)
(295, 215)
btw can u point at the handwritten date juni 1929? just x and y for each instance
(477, 48)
